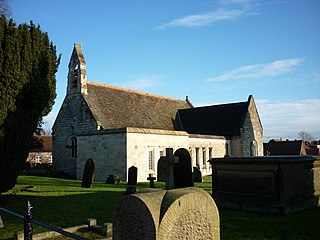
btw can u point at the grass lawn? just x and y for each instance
(63, 203)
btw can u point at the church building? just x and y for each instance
(120, 128)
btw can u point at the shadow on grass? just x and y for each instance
(59, 211)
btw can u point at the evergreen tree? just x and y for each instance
(28, 63)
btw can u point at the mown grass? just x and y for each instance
(63, 203)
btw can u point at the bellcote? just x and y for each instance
(77, 76)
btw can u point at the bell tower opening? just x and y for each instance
(77, 77)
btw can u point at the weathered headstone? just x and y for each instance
(162, 169)
(132, 175)
(151, 179)
(197, 175)
(185, 213)
(132, 180)
(88, 173)
(182, 171)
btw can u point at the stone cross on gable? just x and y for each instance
(171, 161)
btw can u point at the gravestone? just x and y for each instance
(151, 179)
(110, 179)
(182, 171)
(132, 180)
(197, 175)
(185, 213)
(88, 173)
(162, 169)
(132, 175)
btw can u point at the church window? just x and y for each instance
(151, 160)
(74, 147)
(75, 75)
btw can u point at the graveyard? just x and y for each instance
(64, 203)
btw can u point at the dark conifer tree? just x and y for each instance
(28, 63)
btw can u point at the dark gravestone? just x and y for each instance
(110, 179)
(151, 179)
(182, 171)
(88, 173)
(132, 175)
(132, 180)
(197, 175)
(162, 169)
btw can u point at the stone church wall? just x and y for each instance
(252, 130)
(203, 147)
(108, 149)
(236, 147)
(145, 146)
(74, 117)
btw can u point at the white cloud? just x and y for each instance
(142, 82)
(228, 10)
(284, 119)
(259, 70)
(48, 121)
(206, 19)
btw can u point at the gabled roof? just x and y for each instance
(46, 144)
(114, 107)
(221, 120)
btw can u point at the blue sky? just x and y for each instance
(211, 51)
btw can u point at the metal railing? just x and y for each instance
(28, 224)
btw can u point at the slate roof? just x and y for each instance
(115, 107)
(221, 120)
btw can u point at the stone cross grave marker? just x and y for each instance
(182, 171)
(171, 161)
(151, 179)
(88, 173)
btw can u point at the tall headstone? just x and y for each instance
(132, 175)
(132, 180)
(182, 171)
(88, 173)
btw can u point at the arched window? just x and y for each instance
(254, 148)
(74, 147)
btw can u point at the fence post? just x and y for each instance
(28, 222)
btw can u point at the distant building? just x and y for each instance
(120, 128)
(279, 147)
(43, 154)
